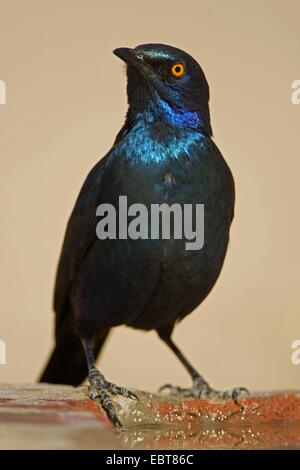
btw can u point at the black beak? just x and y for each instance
(130, 57)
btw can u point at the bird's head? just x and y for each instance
(166, 83)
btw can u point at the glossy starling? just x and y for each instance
(164, 153)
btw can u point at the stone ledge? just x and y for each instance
(60, 417)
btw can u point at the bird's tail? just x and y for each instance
(67, 363)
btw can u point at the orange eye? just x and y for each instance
(178, 70)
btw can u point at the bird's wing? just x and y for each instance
(80, 235)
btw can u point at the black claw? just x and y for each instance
(99, 390)
(115, 389)
(244, 389)
(164, 387)
(174, 390)
(235, 394)
(114, 418)
(133, 396)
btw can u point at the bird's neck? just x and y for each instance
(178, 118)
(162, 112)
(147, 140)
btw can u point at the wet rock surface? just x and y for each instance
(60, 417)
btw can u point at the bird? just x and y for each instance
(164, 154)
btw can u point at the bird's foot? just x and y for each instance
(100, 390)
(201, 389)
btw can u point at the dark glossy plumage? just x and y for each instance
(163, 153)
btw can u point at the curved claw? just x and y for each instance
(113, 416)
(244, 389)
(99, 390)
(165, 387)
(174, 390)
(235, 394)
(104, 399)
(133, 396)
(125, 392)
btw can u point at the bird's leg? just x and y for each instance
(100, 388)
(200, 388)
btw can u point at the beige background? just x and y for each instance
(65, 103)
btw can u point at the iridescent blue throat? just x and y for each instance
(178, 118)
(140, 145)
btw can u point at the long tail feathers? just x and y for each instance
(67, 364)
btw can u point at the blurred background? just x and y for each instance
(66, 101)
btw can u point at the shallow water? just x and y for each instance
(153, 424)
(213, 437)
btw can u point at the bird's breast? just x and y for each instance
(136, 276)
